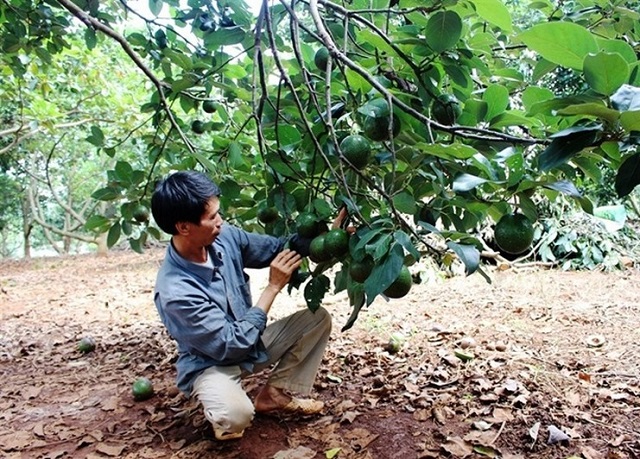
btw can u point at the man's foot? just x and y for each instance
(223, 435)
(272, 400)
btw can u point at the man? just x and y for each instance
(204, 300)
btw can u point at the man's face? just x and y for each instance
(210, 224)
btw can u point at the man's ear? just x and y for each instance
(183, 228)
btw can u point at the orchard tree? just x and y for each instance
(426, 120)
(48, 106)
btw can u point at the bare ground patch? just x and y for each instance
(483, 370)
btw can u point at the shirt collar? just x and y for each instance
(205, 271)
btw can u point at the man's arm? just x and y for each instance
(202, 328)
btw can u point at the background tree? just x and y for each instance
(48, 107)
(460, 106)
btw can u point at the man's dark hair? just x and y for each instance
(181, 197)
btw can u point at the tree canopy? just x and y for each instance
(466, 110)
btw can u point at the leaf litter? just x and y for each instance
(532, 369)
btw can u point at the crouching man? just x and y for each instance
(203, 298)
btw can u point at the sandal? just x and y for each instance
(304, 406)
(223, 435)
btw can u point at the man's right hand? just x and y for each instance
(281, 268)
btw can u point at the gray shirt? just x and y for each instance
(207, 308)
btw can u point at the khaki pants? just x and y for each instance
(296, 343)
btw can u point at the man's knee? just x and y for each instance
(241, 415)
(235, 417)
(324, 318)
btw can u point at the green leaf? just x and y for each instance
(468, 254)
(618, 46)
(137, 39)
(563, 43)
(123, 171)
(403, 239)
(513, 118)
(331, 453)
(375, 40)
(494, 12)
(497, 99)
(467, 182)
(542, 68)
(405, 203)
(206, 162)
(127, 227)
(90, 37)
(630, 120)
(288, 135)
(628, 176)
(97, 136)
(106, 194)
(594, 109)
(234, 71)
(180, 59)
(586, 204)
(453, 151)
(187, 81)
(155, 6)
(564, 186)
(154, 232)
(474, 112)
(367, 239)
(236, 159)
(136, 245)
(356, 295)
(383, 274)
(605, 72)
(443, 30)
(114, 235)
(534, 94)
(97, 223)
(487, 451)
(551, 106)
(224, 37)
(315, 290)
(567, 143)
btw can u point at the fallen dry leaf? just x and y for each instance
(56, 454)
(457, 447)
(110, 404)
(16, 440)
(360, 438)
(301, 452)
(31, 392)
(38, 430)
(591, 453)
(110, 449)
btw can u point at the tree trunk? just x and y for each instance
(27, 226)
(101, 243)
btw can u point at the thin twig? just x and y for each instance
(499, 432)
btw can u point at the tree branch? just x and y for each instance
(462, 131)
(36, 214)
(160, 85)
(35, 131)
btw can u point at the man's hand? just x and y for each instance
(340, 219)
(281, 268)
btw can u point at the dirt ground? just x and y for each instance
(537, 364)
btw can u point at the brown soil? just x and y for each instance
(548, 352)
